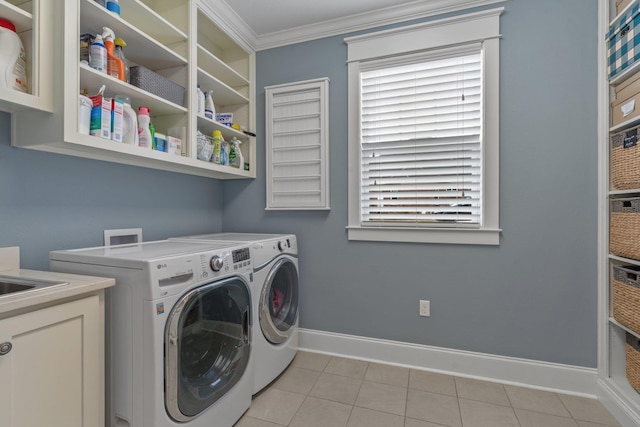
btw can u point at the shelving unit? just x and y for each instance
(32, 30)
(614, 391)
(164, 37)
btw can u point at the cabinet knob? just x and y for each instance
(5, 348)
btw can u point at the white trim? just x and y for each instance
(377, 18)
(228, 20)
(463, 236)
(463, 29)
(541, 375)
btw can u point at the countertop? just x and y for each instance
(75, 285)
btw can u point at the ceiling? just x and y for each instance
(263, 24)
(270, 16)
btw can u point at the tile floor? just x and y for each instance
(323, 391)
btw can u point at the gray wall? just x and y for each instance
(534, 296)
(50, 202)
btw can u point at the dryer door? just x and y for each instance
(279, 302)
(207, 346)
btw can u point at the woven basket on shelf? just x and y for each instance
(625, 159)
(624, 228)
(632, 350)
(626, 296)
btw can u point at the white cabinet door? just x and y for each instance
(53, 374)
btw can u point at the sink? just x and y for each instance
(10, 284)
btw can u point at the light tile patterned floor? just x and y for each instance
(323, 391)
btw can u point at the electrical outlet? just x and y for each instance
(425, 308)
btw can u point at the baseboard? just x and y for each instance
(555, 377)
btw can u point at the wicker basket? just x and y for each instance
(625, 159)
(626, 296)
(632, 350)
(624, 229)
(154, 83)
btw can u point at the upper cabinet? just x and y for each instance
(171, 46)
(32, 27)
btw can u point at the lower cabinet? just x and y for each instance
(52, 365)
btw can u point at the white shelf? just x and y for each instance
(627, 124)
(92, 80)
(211, 64)
(624, 328)
(160, 36)
(142, 48)
(207, 126)
(22, 19)
(222, 93)
(622, 193)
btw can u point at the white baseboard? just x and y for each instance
(555, 377)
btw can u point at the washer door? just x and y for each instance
(206, 346)
(279, 302)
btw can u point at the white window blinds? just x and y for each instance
(421, 145)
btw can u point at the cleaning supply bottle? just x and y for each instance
(217, 143)
(98, 54)
(13, 60)
(152, 131)
(144, 133)
(115, 66)
(209, 108)
(129, 122)
(233, 158)
(239, 156)
(119, 53)
(200, 101)
(113, 6)
(224, 153)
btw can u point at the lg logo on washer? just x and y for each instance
(161, 266)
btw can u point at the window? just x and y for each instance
(423, 132)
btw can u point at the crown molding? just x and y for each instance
(229, 21)
(237, 28)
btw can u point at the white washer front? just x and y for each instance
(179, 349)
(275, 294)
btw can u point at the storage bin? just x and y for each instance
(627, 103)
(632, 350)
(625, 159)
(621, 4)
(624, 228)
(622, 41)
(156, 84)
(626, 296)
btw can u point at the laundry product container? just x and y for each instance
(632, 350)
(624, 227)
(621, 42)
(626, 295)
(625, 158)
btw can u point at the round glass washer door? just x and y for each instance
(279, 302)
(207, 346)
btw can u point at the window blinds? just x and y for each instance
(421, 148)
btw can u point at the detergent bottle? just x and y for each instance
(13, 60)
(115, 66)
(144, 133)
(130, 122)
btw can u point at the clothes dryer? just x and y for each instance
(178, 348)
(275, 299)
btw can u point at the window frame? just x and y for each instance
(400, 43)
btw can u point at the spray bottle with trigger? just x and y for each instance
(115, 66)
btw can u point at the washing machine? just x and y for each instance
(275, 299)
(178, 338)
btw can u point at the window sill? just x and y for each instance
(456, 236)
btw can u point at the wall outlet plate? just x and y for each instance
(425, 308)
